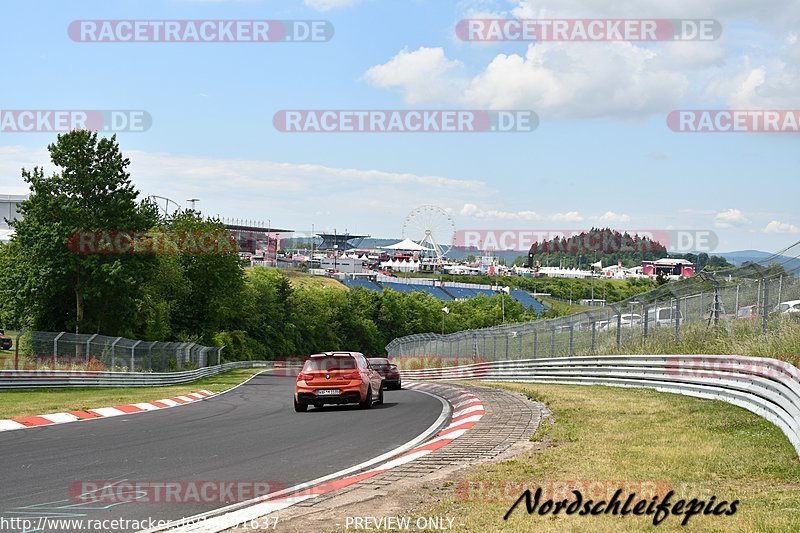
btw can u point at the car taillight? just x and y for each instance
(303, 377)
(352, 375)
(393, 367)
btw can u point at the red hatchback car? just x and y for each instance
(337, 378)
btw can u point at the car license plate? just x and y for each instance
(327, 392)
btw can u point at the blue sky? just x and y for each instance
(601, 155)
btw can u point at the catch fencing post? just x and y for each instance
(16, 349)
(133, 354)
(535, 342)
(677, 318)
(594, 335)
(89, 346)
(150, 355)
(619, 326)
(55, 349)
(553, 342)
(114, 352)
(219, 355)
(571, 335)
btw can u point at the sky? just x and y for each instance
(602, 154)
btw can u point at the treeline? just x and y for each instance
(278, 319)
(598, 244)
(89, 256)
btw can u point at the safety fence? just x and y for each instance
(40, 350)
(753, 296)
(62, 379)
(766, 387)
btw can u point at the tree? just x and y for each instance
(57, 288)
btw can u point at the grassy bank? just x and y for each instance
(38, 402)
(781, 342)
(639, 439)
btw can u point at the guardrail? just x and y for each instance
(61, 379)
(764, 386)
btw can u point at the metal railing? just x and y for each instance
(752, 295)
(35, 350)
(764, 386)
(61, 379)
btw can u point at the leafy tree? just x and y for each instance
(55, 288)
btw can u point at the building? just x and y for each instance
(9, 210)
(340, 241)
(668, 267)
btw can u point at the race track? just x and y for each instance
(250, 434)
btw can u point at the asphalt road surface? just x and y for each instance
(250, 435)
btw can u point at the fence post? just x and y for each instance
(535, 342)
(736, 311)
(89, 346)
(594, 335)
(506, 336)
(645, 321)
(219, 355)
(55, 349)
(553, 342)
(150, 355)
(677, 318)
(765, 309)
(114, 352)
(619, 326)
(16, 348)
(571, 334)
(133, 354)
(780, 289)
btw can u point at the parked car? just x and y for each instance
(748, 312)
(662, 316)
(791, 306)
(388, 371)
(337, 378)
(5, 341)
(627, 320)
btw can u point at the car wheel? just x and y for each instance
(399, 386)
(380, 397)
(367, 403)
(300, 407)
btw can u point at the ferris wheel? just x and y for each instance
(431, 227)
(166, 208)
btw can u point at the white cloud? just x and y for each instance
(288, 193)
(559, 79)
(612, 217)
(327, 5)
(424, 76)
(780, 227)
(472, 210)
(730, 218)
(570, 216)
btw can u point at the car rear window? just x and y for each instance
(331, 363)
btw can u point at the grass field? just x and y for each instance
(638, 440)
(301, 279)
(39, 402)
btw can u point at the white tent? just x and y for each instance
(405, 245)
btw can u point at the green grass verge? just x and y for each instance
(39, 402)
(301, 279)
(560, 308)
(698, 448)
